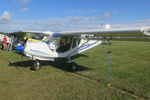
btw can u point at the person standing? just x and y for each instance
(11, 42)
(5, 43)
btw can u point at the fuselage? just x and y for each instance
(58, 47)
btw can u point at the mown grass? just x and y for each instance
(130, 66)
(129, 70)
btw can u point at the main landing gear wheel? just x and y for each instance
(73, 66)
(36, 66)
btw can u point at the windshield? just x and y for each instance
(61, 44)
(52, 42)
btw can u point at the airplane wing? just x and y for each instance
(106, 34)
(103, 32)
(120, 32)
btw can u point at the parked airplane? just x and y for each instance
(69, 43)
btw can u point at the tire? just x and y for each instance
(36, 66)
(73, 67)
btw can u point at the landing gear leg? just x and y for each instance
(72, 66)
(36, 66)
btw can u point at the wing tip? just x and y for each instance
(146, 31)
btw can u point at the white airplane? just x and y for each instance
(69, 43)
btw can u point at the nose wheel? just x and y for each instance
(36, 66)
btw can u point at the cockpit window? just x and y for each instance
(61, 44)
(53, 42)
(65, 44)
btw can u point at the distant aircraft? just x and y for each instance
(66, 44)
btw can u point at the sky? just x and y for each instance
(66, 15)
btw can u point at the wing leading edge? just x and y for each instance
(120, 32)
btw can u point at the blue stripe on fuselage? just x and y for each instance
(39, 52)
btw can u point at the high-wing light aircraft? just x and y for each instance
(69, 43)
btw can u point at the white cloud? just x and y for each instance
(134, 23)
(55, 24)
(5, 17)
(90, 18)
(24, 10)
(66, 23)
(94, 11)
(79, 11)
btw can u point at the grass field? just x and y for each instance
(130, 71)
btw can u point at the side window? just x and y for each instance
(76, 42)
(65, 44)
